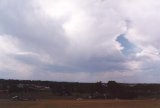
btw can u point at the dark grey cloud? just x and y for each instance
(36, 32)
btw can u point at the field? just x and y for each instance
(81, 104)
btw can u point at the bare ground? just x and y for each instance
(81, 104)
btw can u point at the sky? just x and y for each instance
(80, 40)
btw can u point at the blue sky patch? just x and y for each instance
(128, 47)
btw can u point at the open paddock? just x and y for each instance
(81, 104)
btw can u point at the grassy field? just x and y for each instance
(81, 104)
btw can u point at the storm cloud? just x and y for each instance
(75, 40)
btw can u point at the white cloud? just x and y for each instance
(10, 67)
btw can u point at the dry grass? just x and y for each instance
(82, 104)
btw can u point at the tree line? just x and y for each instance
(98, 90)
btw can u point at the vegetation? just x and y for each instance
(32, 90)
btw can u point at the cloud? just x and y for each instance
(78, 40)
(9, 66)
